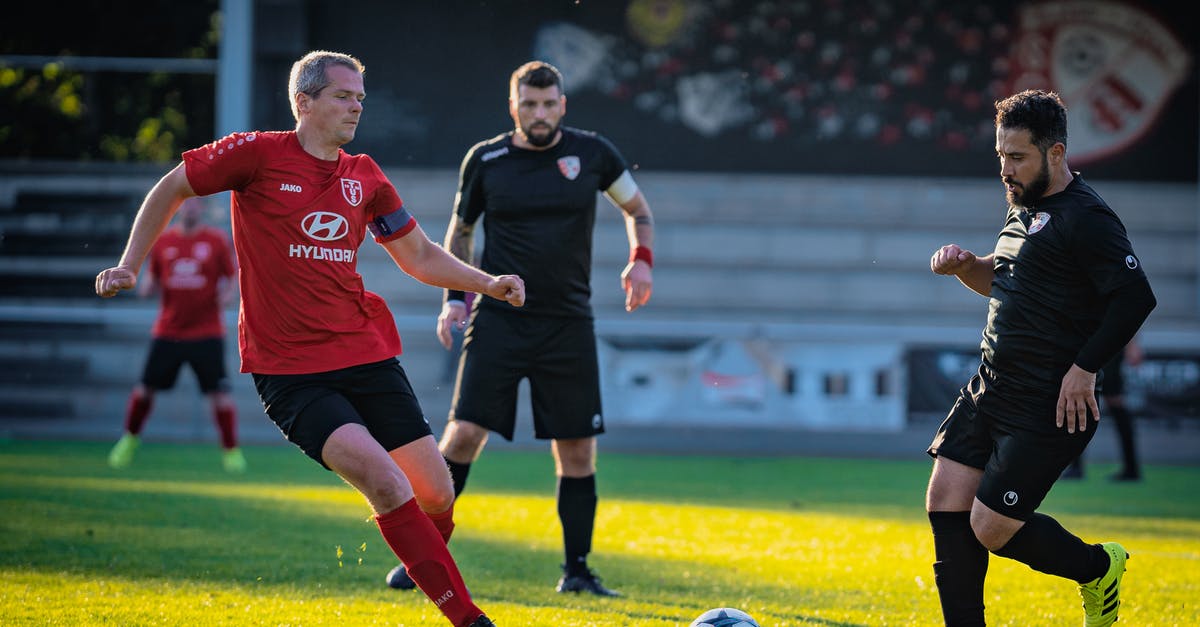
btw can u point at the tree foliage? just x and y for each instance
(54, 112)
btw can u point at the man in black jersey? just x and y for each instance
(1066, 294)
(537, 186)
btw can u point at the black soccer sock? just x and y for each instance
(1043, 545)
(577, 512)
(458, 474)
(960, 568)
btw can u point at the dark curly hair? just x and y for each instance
(1042, 113)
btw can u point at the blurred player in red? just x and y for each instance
(192, 267)
(321, 348)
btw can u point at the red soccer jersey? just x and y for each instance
(187, 269)
(297, 224)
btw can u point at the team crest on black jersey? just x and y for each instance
(569, 166)
(1040, 220)
(352, 191)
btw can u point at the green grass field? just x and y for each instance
(793, 541)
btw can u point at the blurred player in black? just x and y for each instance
(537, 187)
(1066, 294)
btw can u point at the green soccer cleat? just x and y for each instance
(122, 452)
(233, 461)
(1102, 597)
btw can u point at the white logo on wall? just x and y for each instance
(1114, 64)
(324, 226)
(711, 102)
(352, 191)
(1131, 262)
(580, 55)
(1010, 498)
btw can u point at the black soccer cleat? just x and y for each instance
(398, 578)
(586, 581)
(482, 621)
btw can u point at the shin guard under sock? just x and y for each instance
(1043, 545)
(444, 522)
(415, 540)
(577, 512)
(960, 569)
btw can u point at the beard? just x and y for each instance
(1031, 193)
(541, 141)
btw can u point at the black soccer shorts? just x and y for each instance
(206, 358)
(1011, 435)
(308, 408)
(557, 355)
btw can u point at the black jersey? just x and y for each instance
(540, 208)
(1055, 265)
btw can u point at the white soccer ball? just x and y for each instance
(724, 617)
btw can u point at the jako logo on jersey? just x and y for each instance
(290, 187)
(324, 226)
(1040, 220)
(1010, 498)
(352, 191)
(569, 166)
(1131, 262)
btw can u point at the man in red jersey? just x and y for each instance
(192, 267)
(321, 348)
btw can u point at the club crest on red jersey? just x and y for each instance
(352, 191)
(1040, 220)
(569, 166)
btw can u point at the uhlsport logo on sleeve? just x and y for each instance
(352, 191)
(569, 166)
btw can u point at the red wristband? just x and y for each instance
(643, 253)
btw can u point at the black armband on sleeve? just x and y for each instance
(392, 226)
(1128, 307)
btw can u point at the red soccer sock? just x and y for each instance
(226, 419)
(416, 541)
(444, 522)
(136, 412)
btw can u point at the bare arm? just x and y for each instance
(460, 239)
(155, 213)
(637, 279)
(974, 272)
(431, 264)
(460, 242)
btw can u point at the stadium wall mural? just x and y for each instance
(813, 86)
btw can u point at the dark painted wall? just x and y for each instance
(774, 86)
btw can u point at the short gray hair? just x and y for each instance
(308, 74)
